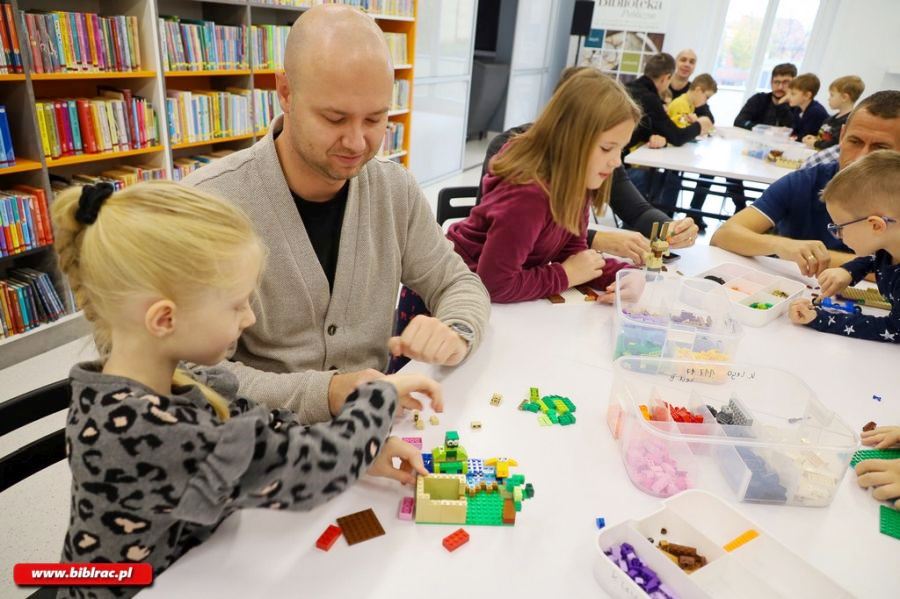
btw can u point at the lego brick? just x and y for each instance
(543, 420)
(407, 508)
(455, 540)
(534, 394)
(360, 526)
(874, 454)
(414, 441)
(890, 522)
(496, 399)
(327, 538)
(428, 461)
(567, 419)
(485, 509)
(433, 420)
(476, 425)
(601, 523)
(509, 511)
(441, 498)
(741, 539)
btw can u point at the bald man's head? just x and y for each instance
(685, 63)
(333, 36)
(336, 91)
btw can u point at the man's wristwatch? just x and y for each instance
(464, 331)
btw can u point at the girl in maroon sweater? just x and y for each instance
(528, 237)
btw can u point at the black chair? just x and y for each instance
(46, 451)
(448, 209)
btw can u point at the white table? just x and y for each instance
(577, 473)
(718, 155)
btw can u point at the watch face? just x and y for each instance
(464, 330)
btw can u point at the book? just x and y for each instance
(7, 155)
(28, 299)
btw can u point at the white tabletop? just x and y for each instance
(577, 473)
(717, 155)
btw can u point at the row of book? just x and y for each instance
(401, 95)
(267, 43)
(397, 44)
(114, 121)
(393, 139)
(7, 154)
(182, 167)
(266, 108)
(62, 42)
(11, 55)
(28, 299)
(194, 45)
(397, 8)
(120, 177)
(24, 220)
(205, 115)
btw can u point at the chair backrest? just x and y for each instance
(448, 209)
(46, 451)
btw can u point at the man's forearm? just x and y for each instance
(743, 241)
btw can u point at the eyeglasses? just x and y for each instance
(837, 230)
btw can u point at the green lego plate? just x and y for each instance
(874, 454)
(890, 522)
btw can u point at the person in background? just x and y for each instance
(802, 96)
(685, 63)
(770, 108)
(842, 96)
(684, 110)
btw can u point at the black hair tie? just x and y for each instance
(91, 200)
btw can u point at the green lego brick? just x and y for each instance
(515, 480)
(567, 419)
(553, 416)
(560, 406)
(532, 407)
(529, 490)
(543, 420)
(568, 403)
(874, 454)
(518, 505)
(485, 509)
(535, 394)
(890, 522)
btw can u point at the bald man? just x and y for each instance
(343, 229)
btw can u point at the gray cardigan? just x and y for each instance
(303, 333)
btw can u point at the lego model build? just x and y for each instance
(551, 409)
(659, 247)
(463, 490)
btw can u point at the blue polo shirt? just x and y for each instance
(793, 204)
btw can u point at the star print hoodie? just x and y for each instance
(154, 476)
(861, 326)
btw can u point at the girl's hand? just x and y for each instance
(882, 437)
(630, 287)
(406, 384)
(802, 311)
(410, 462)
(884, 475)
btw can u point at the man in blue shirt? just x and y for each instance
(791, 206)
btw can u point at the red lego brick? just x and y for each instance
(327, 539)
(455, 540)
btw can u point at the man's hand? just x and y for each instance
(656, 141)
(809, 140)
(627, 244)
(342, 385)
(706, 124)
(427, 339)
(810, 255)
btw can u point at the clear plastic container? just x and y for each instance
(764, 437)
(743, 560)
(757, 297)
(670, 316)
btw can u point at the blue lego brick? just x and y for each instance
(429, 463)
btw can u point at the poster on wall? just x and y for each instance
(624, 33)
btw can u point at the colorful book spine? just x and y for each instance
(62, 42)
(206, 115)
(28, 299)
(7, 154)
(195, 45)
(393, 139)
(24, 220)
(12, 51)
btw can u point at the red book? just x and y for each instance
(142, 122)
(13, 299)
(42, 212)
(120, 60)
(36, 61)
(86, 124)
(65, 141)
(6, 47)
(13, 36)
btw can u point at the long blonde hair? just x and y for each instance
(158, 237)
(554, 152)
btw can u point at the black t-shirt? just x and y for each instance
(323, 222)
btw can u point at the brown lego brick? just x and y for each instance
(556, 299)
(360, 526)
(589, 294)
(509, 512)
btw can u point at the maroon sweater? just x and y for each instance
(512, 243)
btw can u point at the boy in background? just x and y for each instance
(682, 109)
(842, 95)
(801, 96)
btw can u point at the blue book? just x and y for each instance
(5, 250)
(6, 147)
(76, 125)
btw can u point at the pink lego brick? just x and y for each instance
(407, 507)
(414, 441)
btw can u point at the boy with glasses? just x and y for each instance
(864, 204)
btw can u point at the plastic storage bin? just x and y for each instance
(664, 315)
(747, 287)
(763, 438)
(743, 560)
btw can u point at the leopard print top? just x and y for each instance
(154, 476)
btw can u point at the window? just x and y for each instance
(756, 36)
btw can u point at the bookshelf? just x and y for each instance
(21, 91)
